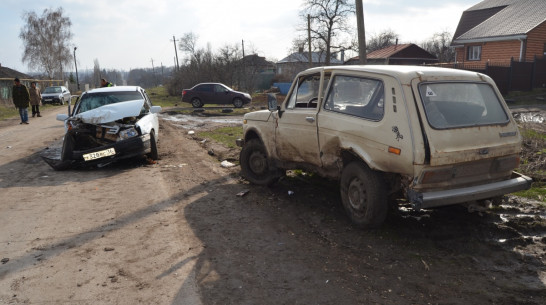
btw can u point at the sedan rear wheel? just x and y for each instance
(196, 102)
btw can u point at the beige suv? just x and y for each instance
(434, 136)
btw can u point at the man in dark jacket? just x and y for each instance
(21, 99)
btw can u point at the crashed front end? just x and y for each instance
(104, 134)
(90, 144)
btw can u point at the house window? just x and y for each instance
(474, 52)
(544, 50)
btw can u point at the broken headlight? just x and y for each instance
(128, 133)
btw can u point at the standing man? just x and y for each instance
(21, 99)
(35, 99)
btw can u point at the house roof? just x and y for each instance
(399, 51)
(316, 57)
(6, 72)
(492, 20)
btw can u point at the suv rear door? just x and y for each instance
(465, 121)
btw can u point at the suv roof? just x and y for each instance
(402, 72)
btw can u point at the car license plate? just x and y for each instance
(99, 154)
(48, 100)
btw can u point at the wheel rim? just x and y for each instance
(257, 162)
(196, 103)
(238, 103)
(356, 194)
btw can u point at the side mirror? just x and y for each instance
(62, 117)
(271, 102)
(155, 109)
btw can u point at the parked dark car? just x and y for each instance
(214, 93)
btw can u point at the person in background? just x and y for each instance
(21, 99)
(35, 99)
(104, 83)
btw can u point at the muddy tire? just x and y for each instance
(153, 147)
(237, 102)
(196, 103)
(364, 195)
(255, 165)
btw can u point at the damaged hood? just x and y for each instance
(112, 112)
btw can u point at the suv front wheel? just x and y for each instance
(255, 165)
(364, 195)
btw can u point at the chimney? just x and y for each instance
(300, 50)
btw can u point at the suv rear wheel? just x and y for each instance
(364, 195)
(255, 165)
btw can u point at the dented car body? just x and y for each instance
(108, 124)
(433, 136)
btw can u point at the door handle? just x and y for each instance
(310, 119)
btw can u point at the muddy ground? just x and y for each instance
(175, 232)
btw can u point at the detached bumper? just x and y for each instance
(423, 200)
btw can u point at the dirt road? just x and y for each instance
(175, 232)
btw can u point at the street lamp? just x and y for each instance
(76, 65)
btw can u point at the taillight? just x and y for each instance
(184, 92)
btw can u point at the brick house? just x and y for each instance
(496, 31)
(398, 54)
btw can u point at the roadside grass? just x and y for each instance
(223, 135)
(536, 192)
(12, 112)
(8, 112)
(533, 163)
(536, 96)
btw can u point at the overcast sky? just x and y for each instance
(125, 34)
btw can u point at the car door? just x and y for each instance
(205, 93)
(66, 94)
(296, 136)
(221, 94)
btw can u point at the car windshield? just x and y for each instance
(52, 90)
(452, 105)
(94, 100)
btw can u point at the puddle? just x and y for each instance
(193, 122)
(529, 117)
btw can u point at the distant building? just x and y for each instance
(296, 62)
(496, 31)
(7, 76)
(399, 54)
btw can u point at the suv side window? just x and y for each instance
(305, 95)
(362, 97)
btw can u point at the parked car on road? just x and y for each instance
(110, 123)
(55, 95)
(214, 93)
(432, 136)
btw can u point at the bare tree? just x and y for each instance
(382, 40)
(328, 21)
(96, 73)
(46, 41)
(438, 45)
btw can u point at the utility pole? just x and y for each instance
(361, 33)
(76, 65)
(176, 53)
(309, 40)
(153, 71)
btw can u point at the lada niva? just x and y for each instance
(433, 136)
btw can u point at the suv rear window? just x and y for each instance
(452, 105)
